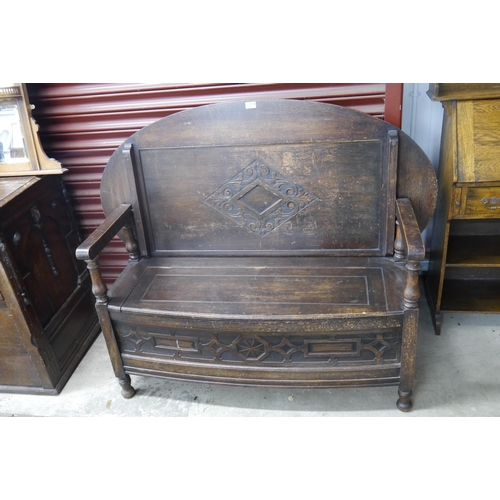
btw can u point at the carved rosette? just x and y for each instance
(260, 199)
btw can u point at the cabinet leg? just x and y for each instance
(436, 322)
(435, 316)
(127, 390)
(437, 319)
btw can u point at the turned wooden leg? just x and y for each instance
(100, 290)
(410, 330)
(127, 390)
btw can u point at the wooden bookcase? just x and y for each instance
(464, 268)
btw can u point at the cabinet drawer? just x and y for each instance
(482, 202)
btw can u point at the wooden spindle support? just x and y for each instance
(100, 290)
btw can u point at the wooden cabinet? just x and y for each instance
(47, 314)
(464, 268)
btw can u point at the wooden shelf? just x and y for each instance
(481, 296)
(474, 251)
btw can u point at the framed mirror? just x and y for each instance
(21, 152)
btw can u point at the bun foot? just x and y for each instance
(404, 402)
(127, 390)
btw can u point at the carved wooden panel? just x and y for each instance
(334, 349)
(327, 197)
(47, 313)
(260, 199)
(48, 271)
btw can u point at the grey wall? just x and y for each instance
(422, 120)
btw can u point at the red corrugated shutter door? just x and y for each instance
(82, 124)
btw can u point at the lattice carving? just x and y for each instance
(260, 199)
(339, 349)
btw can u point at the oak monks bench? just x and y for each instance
(272, 243)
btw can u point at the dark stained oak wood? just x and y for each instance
(262, 242)
(47, 316)
(413, 243)
(103, 235)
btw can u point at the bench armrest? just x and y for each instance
(411, 235)
(95, 243)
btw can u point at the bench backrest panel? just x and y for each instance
(275, 177)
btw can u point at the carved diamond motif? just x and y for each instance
(260, 199)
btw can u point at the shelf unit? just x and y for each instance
(464, 266)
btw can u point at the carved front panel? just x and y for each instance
(339, 349)
(321, 196)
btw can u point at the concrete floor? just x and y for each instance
(457, 375)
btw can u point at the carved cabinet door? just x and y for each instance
(40, 246)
